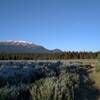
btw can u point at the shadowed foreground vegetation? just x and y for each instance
(46, 81)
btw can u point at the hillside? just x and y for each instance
(21, 47)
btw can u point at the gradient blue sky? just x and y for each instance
(65, 24)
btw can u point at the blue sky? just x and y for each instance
(65, 24)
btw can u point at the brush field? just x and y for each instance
(50, 79)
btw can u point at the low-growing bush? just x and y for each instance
(15, 93)
(46, 81)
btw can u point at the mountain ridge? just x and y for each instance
(13, 46)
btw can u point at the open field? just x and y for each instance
(50, 79)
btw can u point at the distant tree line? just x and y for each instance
(49, 56)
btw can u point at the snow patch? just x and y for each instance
(17, 41)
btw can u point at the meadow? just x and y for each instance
(50, 79)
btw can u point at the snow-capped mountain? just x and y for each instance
(10, 46)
